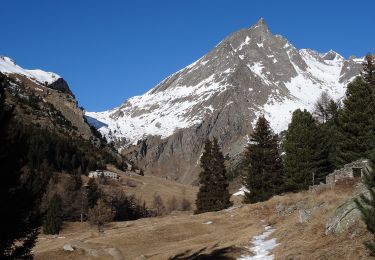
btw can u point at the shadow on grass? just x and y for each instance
(218, 254)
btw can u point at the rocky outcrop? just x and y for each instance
(38, 103)
(346, 215)
(343, 218)
(61, 85)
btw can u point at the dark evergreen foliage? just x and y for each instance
(263, 175)
(20, 191)
(306, 159)
(53, 218)
(93, 193)
(213, 192)
(356, 122)
(368, 72)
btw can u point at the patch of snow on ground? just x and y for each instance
(241, 191)
(261, 246)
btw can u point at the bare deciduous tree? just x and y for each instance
(172, 204)
(158, 205)
(185, 205)
(100, 214)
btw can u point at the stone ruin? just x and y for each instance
(351, 170)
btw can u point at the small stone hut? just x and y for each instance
(349, 171)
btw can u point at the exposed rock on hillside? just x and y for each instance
(249, 73)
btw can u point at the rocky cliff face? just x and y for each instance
(249, 73)
(43, 98)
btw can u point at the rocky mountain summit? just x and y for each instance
(249, 73)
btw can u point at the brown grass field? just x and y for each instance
(182, 234)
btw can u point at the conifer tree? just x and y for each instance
(204, 201)
(220, 178)
(93, 193)
(213, 192)
(356, 122)
(53, 219)
(366, 205)
(305, 158)
(368, 71)
(263, 165)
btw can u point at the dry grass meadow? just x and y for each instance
(225, 234)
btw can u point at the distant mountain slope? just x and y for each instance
(43, 98)
(251, 72)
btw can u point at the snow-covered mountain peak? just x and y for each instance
(9, 66)
(252, 69)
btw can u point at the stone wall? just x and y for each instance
(349, 171)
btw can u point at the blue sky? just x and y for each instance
(109, 51)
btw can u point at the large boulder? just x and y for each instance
(344, 217)
(347, 214)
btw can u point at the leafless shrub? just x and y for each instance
(158, 205)
(185, 205)
(100, 214)
(172, 204)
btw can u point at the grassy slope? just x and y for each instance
(184, 233)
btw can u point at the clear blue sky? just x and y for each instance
(111, 50)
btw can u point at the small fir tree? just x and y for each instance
(213, 192)
(53, 219)
(93, 193)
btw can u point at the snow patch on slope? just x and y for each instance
(8, 66)
(304, 89)
(159, 113)
(261, 246)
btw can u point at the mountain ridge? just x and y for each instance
(249, 73)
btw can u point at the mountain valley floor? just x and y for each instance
(220, 235)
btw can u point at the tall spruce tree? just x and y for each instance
(306, 159)
(204, 199)
(213, 192)
(220, 178)
(263, 175)
(366, 204)
(53, 218)
(356, 122)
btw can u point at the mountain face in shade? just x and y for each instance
(249, 73)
